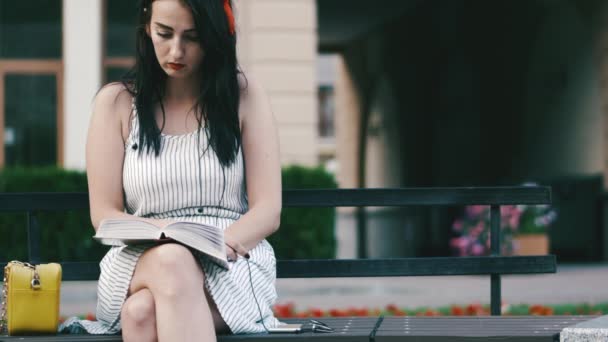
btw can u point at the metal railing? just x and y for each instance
(493, 265)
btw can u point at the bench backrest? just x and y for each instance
(493, 265)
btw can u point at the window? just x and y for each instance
(120, 24)
(30, 30)
(31, 75)
(326, 112)
(30, 127)
(326, 74)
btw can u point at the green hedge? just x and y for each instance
(306, 233)
(66, 236)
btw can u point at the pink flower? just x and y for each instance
(459, 242)
(457, 226)
(478, 229)
(514, 221)
(475, 210)
(473, 228)
(477, 249)
(507, 210)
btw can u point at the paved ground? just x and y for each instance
(571, 284)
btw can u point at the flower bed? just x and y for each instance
(288, 310)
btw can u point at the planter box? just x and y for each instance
(531, 244)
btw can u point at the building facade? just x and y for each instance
(59, 55)
(423, 93)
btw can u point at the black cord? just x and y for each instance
(216, 222)
(256, 300)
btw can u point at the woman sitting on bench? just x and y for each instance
(170, 142)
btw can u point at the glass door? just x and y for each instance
(31, 84)
(31, 114)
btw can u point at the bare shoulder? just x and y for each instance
(113, 102)
(250, 86)
(113, 95)
(253, 98)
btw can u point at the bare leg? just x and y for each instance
(176, 281)
(138, 317)
(220, 326)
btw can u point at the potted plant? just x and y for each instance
(523, 230)
(473, 230)
(531, 237)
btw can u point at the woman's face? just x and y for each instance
(175, 40)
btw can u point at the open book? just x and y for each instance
(209, 240)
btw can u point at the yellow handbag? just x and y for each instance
(31, 298)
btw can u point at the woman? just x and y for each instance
(170, 143)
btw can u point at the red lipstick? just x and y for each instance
(175, 66)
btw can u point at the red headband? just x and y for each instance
(229, 15)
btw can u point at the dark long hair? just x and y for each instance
(218, 101)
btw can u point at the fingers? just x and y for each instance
(237, 247)
(231, 254)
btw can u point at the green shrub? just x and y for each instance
(306, 233)
(66, 236)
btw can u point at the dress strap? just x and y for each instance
(134, 126)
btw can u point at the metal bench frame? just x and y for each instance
(493, 265)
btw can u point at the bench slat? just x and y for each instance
(415, 266)
(428, 329)
(416, 196)
(35, 201)
(43, 201)
(323, 268)
(474, 329)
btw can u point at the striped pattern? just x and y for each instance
(186, 183)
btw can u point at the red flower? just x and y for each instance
(338, 313)
(284, 310)
(316, 313)
(399, 312)
(431, 312)
(536, 310)
(391, 307)
(456, 310)
(474, 309)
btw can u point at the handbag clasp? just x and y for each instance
(35, 281)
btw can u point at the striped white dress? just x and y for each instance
(181, 186)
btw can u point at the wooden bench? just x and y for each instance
(529, 328)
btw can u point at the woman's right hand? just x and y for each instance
(234, 248)
(231, 254)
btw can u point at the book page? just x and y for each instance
(124, 231)
(207, 239)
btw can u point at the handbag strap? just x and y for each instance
(4, 299)
(35, 284)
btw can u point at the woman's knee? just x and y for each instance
(139, 309)
(176, 270)
(171, 257)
